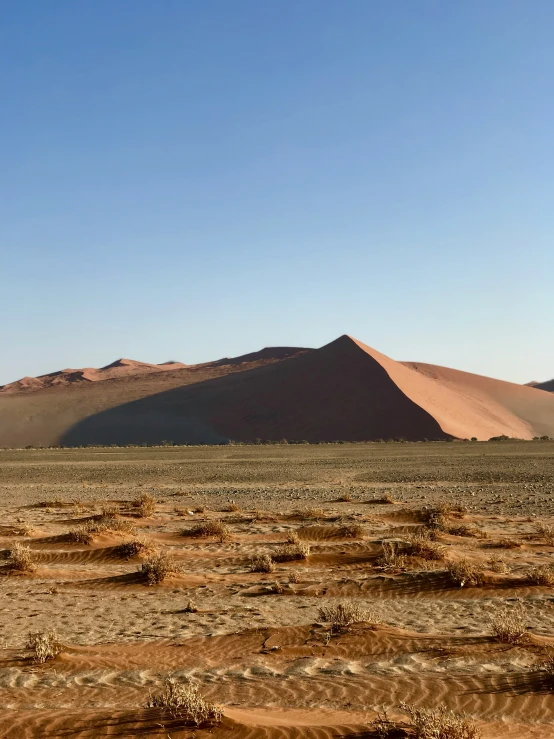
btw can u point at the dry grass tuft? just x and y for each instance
(262, 563)
(311, 513)
(543, 575)
(391, 558)
(385, 499)
(209, 528)
(144, 505)
(497, 564)
(345, 497)
(21, 558)
(80, 534)
(45, 645)
(420, 545)
(231, 507)
(440, 723)
(465, 573)
(157, 566)
(343, 614)
(132, 548)
(109, 509)
(546, 532)
(504, 543)
(509, 624)
(351, 531)
(183, 700)
(290, 552)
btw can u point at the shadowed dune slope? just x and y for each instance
(343, 391)
(548, 386)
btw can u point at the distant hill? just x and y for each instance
(342, 391)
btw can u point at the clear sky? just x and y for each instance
(190, 179)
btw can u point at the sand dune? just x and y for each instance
(548, 385)
(343, 391)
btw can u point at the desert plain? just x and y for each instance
(442, 554)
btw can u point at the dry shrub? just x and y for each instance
(345, 497)
(465, 573)
(311, 513)
(45, 645)
(209, 528)
(180, 511)
(84, 533)
(462, 529)
(546, 532)
(144, 505)
(391, 558)
(543, 575)
(496, 564)
(80, 535)
(385, 499)
(294, 577)
(292, 537)
(344, 613)
(21, 558)
(231, 507)
(509, 624)
(262, 563)
(110, 508)
(184, 701)
(277, 588)
(504, 543)
(351, 531)
(420, 545)
(132, 548)
(157, 566)
(440, 723)
(290, 552)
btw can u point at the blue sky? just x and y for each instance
(189, 179)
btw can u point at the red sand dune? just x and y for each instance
(343, 391)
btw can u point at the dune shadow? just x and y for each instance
(145, 722)
(516, 684)
(274, 401)
(128, 578)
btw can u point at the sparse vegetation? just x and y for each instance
(21, 558)
(132, 548)
(290, 552)
(420, 545)
(542, 575)
(440, 723)
(157, 566)
(351, 531)
(262, 563)
(509, 624)
(209, 528)
(44, 645)
(391, 558)
(145, 505)
(343, 614)
(546, 532)
(465, 573)
(183, 700)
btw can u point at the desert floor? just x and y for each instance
(256, 643)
